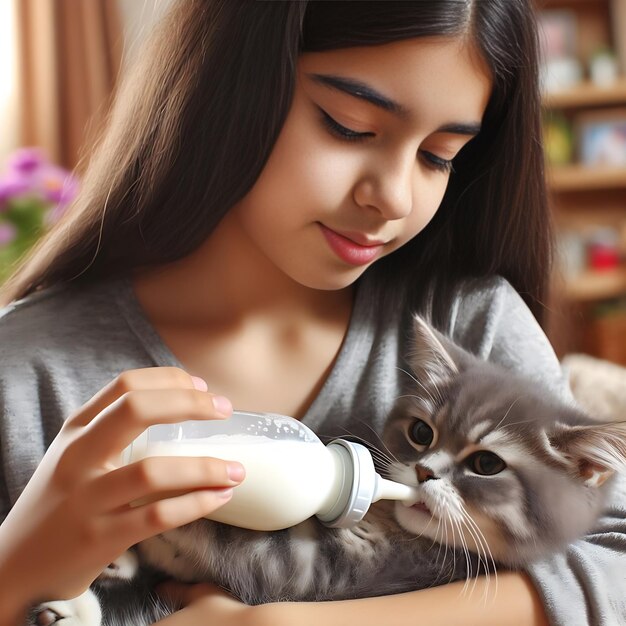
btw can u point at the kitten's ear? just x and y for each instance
(595, 451)
(430, 360)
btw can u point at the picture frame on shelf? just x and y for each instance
(602, 138)
(561, 67)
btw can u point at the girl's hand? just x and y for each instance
(74, 516)
(204, 604)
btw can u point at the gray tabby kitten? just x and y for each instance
(507, 473)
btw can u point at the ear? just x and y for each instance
(430, 361)
(595, 452)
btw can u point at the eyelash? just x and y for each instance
(345, 134)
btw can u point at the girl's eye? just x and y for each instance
(486, 463)
(421, 433)
(340, 131)
(437, 163)
(431, 160)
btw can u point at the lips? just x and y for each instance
(352, 248)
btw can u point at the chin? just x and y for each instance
(327, 281)
(416, 521)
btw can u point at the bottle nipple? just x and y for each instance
(390, 490)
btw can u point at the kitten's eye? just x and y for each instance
(486, 463)
(421, 433)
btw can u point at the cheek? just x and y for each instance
(497, 507)
(484, 493)
(305, 166)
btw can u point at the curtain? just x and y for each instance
(69, 57)
(8, 78)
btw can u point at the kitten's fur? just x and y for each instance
(551, 491)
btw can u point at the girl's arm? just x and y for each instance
(516, 603)
(75, 516)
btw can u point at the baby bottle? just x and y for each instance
(290, 474)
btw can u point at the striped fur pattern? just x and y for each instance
(506, 473)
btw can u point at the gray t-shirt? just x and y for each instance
(60, 346)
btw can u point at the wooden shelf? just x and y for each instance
(581, 178)
(597, 285)
(587, 94)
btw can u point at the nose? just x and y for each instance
(388, 187)
(424, 473)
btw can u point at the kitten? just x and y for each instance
(506, 472)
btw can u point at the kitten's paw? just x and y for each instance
(51, 613)
(81, 611)
(47, 616)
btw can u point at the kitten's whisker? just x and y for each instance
(391, 455)
(417, 382)
(381, 457)
(409, 395)
(454, 551)
(479, 541)
(468, 561)
(528, 421)
(411, 376)
(487, 549)
(445, 545)
(452, 547)
(455, 533)
(442, 518)
(507, 413)
(479, 550)
(436, 539)
(488, 552)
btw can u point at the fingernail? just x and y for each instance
(236, 472)
(199, 384)
(225, 494)
(222, 405)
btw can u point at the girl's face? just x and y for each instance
(363, 159)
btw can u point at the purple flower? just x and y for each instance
(58, 187)
(30, 174)
(8, 233)
(12, 187)
(27, 160)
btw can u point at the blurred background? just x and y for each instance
(60, 61)
(584, 82)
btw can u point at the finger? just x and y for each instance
(160, 477)
(139, 523)
(127, 417)
(135, 380)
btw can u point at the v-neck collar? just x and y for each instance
(359, 331)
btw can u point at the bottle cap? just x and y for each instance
(359, 488)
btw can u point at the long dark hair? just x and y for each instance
(196, 120)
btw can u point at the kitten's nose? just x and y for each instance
(424, 473)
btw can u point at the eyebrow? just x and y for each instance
(363, 91)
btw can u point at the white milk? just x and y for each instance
(287, 481)
(290, 474)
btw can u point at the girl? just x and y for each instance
(280, 186)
